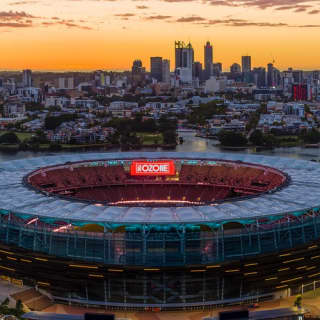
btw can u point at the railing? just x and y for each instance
(161, 248)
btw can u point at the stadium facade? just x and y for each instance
(160, 230)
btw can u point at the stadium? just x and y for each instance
(162, 230)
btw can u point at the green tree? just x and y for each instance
(311, 136)
(256, 138)
(51, 123)
(232, 139)
(269, 140)
(170, 137)
(9, 138)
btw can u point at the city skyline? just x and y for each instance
(100, 34)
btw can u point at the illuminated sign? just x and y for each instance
(152, 168)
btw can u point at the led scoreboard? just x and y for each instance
(152, 168)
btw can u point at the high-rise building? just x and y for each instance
(300, 92)
(208, 60)
(246, 63)
(137, 67)
(166, 71)
(184, 55)
(27, 78)
(138, 72)
(156, 68)
(270, 75)
(197, 70)
(259, 77)
(235, 68)
(297, 76)
(216, 69)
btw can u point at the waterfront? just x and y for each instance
(191, 144)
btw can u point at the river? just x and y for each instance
(191, 144)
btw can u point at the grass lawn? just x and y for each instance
(150, 138)
(21, 135)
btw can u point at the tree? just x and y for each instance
(205, 111)
(9, 138)
(169, 137)
(51, 123)
(311, 136)
(269, 140)
(232, 139)
(256, 138)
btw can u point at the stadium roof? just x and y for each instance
(302, 193)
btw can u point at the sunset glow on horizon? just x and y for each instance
(110, 34)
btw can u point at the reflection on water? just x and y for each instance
(191, 144)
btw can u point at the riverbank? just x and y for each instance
(83, 147)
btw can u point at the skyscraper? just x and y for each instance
(137, 67)
(184, 61)
(156, 68)
(246, 64)
(184, 55)
(216, 69)
(208, 60)
(166, 71)
(27, 78)
(197, 71)
(259, 77)
(270, 75)
(138, 72)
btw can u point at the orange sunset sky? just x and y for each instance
(110, 34)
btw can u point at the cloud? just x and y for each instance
(125, 15)
(22, 19)
(142, 7)
(314, 11)
(190, 19)
(157, 17)
(296, 5)
(238, 23)
(14, 15)
(21, 3)
(15, 25)
(263, 4)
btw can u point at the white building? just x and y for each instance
(215, 84)
(66, 83)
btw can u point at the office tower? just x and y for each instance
(27, 78)
(184, 61)
(259, 77)
(156, 68)
(300, 92)
(138, 72)
(246, 64)
(270, 75)
(184, 55)
(297, 76)
(235, 68)
(197, 70)
(208, 60)
(166, 71)
(137, 67)
(216, 68)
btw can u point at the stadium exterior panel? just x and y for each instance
(163, 230)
